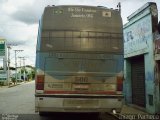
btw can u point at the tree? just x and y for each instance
(1, 68)
(33, 74)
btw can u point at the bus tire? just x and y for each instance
(42, 113)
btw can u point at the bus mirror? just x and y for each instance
(159, 27)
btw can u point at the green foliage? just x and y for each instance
(31, 74)
(1, 68)
(13, 79)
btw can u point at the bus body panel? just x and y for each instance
(95, 104)
(79, 60)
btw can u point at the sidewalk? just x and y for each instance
(12, 85)
(131, 110)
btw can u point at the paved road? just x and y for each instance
(18, 99)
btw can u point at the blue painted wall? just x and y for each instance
(139, 40)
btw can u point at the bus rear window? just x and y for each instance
(81, 41)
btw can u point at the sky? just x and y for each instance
(19, 21)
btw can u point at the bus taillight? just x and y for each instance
(119, 83)
(40, 82)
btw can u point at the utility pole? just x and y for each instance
(16, 63)
(24, 73)
(20, 66)
(8, 61)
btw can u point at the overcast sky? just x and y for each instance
(19, 20)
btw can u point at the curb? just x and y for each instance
(12, 85)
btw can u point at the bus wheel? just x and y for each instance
(159, 27)
(42, 113)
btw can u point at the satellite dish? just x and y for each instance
(159, 27)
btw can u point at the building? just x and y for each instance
(3, 77)
(28, 74)
(3, 62)
(141, 59)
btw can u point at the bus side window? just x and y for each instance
(159, 27)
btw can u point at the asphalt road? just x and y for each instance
(18, 99)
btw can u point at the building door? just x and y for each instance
(158, 72)
(138, 81)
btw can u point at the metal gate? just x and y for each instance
(138, 81)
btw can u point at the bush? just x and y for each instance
(13, 79)
(1, 83)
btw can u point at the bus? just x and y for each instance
(79, 60)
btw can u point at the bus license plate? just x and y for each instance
(81, 103)
(81, 86)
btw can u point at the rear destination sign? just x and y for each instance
(77, 12)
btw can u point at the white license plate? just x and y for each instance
(80, 102)
(81, 86)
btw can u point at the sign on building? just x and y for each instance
(2, 47)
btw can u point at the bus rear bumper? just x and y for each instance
(55, 103)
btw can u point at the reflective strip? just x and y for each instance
(39, 91)
(80, 92)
